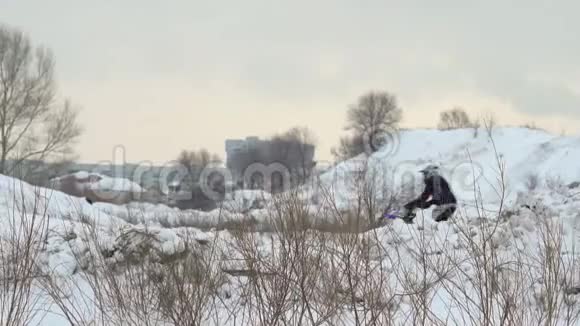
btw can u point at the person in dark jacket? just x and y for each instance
(437, 192)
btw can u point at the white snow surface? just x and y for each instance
(554, 159)
(464, 158)
(104, 182)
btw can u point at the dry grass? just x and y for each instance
(298, 272)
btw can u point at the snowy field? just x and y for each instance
(507, 258)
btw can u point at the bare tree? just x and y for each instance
(455, 118)
(532, 126)
(22, 245)
(32, 126)
(296, 149)
(348, 147)
(489, 122)
(39, 173)
(195, 161)
(374, 114)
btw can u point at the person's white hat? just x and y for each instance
(431, 169)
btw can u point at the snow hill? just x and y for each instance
(554, 159)
(462, 155)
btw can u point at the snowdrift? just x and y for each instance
(98, 187)
(467, 158)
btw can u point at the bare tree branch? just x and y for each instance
(31, 125)
(455, 118)
(375, 115)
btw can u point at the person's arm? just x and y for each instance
(423, 200)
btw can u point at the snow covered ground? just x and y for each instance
(464, 158)
(100, 182)
(78, 232)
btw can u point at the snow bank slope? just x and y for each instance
(63, 216)
(463, 155)
(100, 182)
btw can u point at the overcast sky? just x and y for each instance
(160, 76)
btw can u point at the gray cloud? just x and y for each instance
(525, 54)
(278, 49)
